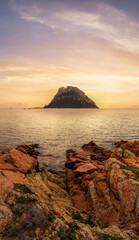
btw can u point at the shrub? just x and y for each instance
(22, 188)
(51, 216)
(25, 199)
(77, 216)
(12, 230)
(2, 174)
(31, 217)
(104, 236)
(35, 218)
(132, 169)
(68, 234)
(90, 220)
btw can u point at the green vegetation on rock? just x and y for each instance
(68, 234)
(133, 169)
(22, 188)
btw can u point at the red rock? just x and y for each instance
(13, 166)
(96, 156)
(110, 192)
(8, 178)
(117, 153)
(81, 155)
(108, 164)
(94, 148)
(128, 192)
(74, 161)
(78, 196)
(132, 162)
(128, 154)
(76, 157)
(6, 150)
(101, 204)
(86, 168)
(131, 146)
(29, 149)
(7, 194)
(76, 165)
(125, 156)
(17, 161)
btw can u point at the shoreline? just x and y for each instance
(99, 192)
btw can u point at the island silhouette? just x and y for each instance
(71, 97)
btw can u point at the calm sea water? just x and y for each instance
(57, 130)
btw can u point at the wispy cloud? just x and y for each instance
(92, 46)
(103, 21)
(32, 19)
(106, 23)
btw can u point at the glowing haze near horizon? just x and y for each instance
(90, 44)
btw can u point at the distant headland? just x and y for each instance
(71, 97)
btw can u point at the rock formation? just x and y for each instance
(36, 205)
(131, 146)
(105, 183)
(14, 164)
(71, 97)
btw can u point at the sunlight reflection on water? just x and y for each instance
(57, 130)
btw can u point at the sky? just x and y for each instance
(48, 44)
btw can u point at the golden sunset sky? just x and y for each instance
(90, 44)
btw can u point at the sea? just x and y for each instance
(57, 130)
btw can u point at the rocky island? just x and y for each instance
(96, 198)
(71, 97)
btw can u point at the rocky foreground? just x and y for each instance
(97, 199)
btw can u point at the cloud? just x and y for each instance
(106, 23)
(50, 44)
(32, 19)
(102, 21)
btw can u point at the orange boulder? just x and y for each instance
(86, 168)
(16, 160)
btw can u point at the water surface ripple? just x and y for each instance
(57, 130)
